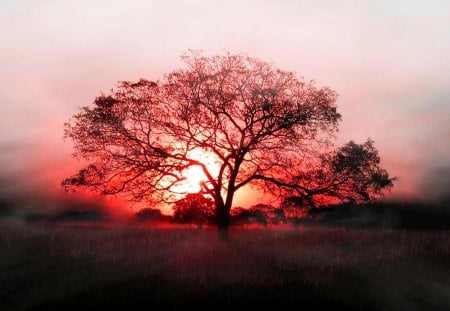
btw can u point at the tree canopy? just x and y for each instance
(262, 126)
(349, 174)
(194, 209)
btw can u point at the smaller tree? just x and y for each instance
(196, 209)
(295, 206)
(349, 174)
(262, 214)
(246, 216)
(149, 214)
(272, 214)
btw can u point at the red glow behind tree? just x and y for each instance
(261, 124)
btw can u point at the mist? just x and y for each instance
(27, 201)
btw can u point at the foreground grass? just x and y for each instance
(74, 267)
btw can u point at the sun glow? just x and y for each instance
(194, 174)
(194, 178)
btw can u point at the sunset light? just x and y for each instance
(194, 174)
(194, 177)
(225, 155)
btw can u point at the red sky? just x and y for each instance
(389, 63)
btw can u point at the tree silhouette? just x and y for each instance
(272, 214)
(150, 215)
(255, 120)
(194, 209)
(244, 217)
(349, 174)
(262, 214)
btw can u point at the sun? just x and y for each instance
(194, 174)
(194, 177)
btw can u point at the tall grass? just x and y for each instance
(91, 266)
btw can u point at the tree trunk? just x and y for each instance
(223, 209)
(223, 222)
(222, 234)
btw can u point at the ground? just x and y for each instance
(73, 266)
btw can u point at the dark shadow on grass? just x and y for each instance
(160, 293)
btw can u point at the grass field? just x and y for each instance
(62, 267)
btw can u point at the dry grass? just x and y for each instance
(90, 266)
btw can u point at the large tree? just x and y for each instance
(254, 120)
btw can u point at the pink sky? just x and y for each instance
(389, 63)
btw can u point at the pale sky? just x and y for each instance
(389, 61)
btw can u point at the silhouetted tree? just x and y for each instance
(298, 210)
(194, 209)
(149, 214)
(262, 214)
(272, 214)
(238, 216)
(246, 216)
(350, 174)
(257, 121)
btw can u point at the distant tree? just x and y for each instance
(238, 216)
(262, 214)
(297, 209)
(295, 206)
(350, 174)
(195, 209)
(244, 217)
(149, 214)
(272, 214)
(255, 119)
